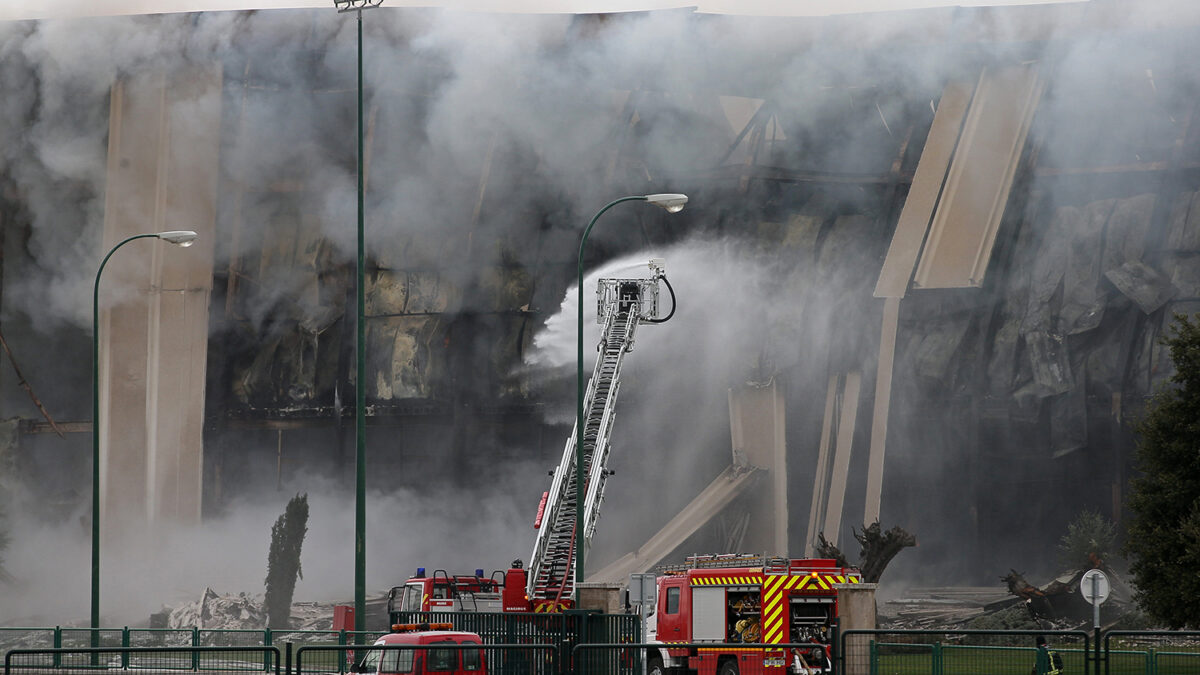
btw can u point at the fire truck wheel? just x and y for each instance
(655, 666)
(728, 668)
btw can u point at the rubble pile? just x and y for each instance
(1056, 605)
(1060, 600)
(945, 607)
(311, 616)
(243, 612)
(213, 611)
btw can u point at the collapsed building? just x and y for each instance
(957, 235)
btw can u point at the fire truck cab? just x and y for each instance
(445, 593)
(732, 601)
(422, 661)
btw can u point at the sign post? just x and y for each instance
(1093, 585)
(643, 589)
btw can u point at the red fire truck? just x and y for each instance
(738, 604)
(734, 600)
(442, 592)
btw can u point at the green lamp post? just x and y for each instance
(183, 238)
(673, 203)
(360, 387)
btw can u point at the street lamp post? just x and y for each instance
(673, 203)
(183, 238)
(360, 387)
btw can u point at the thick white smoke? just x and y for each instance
(544, 93)
(671, 430)
(50, 581)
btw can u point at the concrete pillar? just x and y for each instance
(604, 597)
(164, 135)
(856, 611)
(757, 423)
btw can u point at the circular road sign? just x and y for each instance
(1094, 587)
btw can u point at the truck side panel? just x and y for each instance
(708, 614)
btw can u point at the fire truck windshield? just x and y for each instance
(410, 601)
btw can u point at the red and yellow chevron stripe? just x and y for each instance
(774, 601)
(752, 579)
(549, 607)
(774, 605)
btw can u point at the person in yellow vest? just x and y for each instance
(1048, 661)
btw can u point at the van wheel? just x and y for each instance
(655, 666)
(728, 668)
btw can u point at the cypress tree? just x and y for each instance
(283, 560)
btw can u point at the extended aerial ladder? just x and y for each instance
(622, 304)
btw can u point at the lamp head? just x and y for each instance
(353, 5)
(182, 238)
(673, 203)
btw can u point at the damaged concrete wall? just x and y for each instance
(153, 341)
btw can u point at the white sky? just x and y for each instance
(45, 9)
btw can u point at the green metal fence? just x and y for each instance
(565, 630)
(556, 644)
(573, 626)
(748, 656)
(59, 637)
(13, 638)
(159, 637)
(1151, 652)
(124, 638)
(82, 637)
(147, 660)
(495, 659)
(304, 639)
(961, 652)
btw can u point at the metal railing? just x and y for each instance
(494, 659)
(59, 637)
(536, 646)
(148, 660)
(624, 658)
(563, 630)
(1151, 652)
(942, 652)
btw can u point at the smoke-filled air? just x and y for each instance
(491, 139)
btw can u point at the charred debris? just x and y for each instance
(878, 549)
(1015, 603)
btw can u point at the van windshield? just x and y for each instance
(396, 661)
(370, 661)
